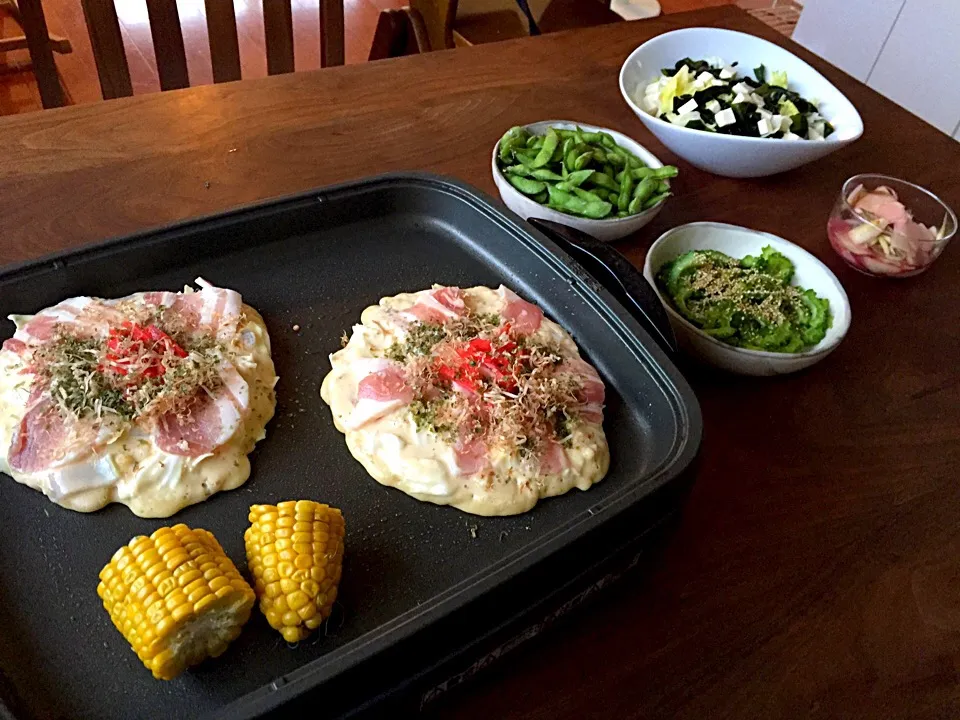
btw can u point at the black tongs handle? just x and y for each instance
(618, 275)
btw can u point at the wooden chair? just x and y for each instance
(447, 27)
(436, 24)
(399, 32)
(107, 42)
(28, 14)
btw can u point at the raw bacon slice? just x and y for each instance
(553, 459)
(592, 392)
(471, 456)
(39, 329)
(194, 432)
(438, 306)
(45, 438)
(220, 309)
(524, 317)
(378, 393)
(211, 308)
(188, 307)
(160, 298)
(93, 316)
(14, 345)
(235, 388)
(210, 421)
(384, 385)
(39, 438)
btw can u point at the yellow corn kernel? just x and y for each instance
(292, 548)
(176, 598)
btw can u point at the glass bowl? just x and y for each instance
(875, 247)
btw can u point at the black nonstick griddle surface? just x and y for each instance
(317, 261)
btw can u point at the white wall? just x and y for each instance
(848, 33)
(919, 64)
(908, 50)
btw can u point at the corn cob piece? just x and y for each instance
(176, 597)
(295, 554)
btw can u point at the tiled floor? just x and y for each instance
(18, 91)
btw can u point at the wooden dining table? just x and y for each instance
(815, 568)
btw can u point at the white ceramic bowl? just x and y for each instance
(738, 242)
(731, 155)
(606, 230)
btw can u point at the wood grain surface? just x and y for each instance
(816, 569)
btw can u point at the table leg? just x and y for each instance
(41, 54)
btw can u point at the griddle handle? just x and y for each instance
(618, 275)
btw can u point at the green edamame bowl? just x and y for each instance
(607, 229)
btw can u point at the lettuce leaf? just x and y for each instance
(788, 108)
(677, 86)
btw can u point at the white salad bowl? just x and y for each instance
(739, 242)
(732, 155)
(606, 230)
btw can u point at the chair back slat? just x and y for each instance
(278, 34)
(168, 44)
(114, 71)
(222, 34)
(107, 44)
(331, 33)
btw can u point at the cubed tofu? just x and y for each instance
(705, 79)
(725, 117)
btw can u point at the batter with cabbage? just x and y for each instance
(468, 397)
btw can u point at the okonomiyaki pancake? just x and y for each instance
(152, 400)
(468, 397)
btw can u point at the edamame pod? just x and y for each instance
(645, 189)
(581, 172)
(526, 185)
(578, 206)
(545, 174)
(581, 162)
(626, 186)
(550, 143)
(654, 200)
(514, 138)
(587, 195)
(605, 181)
(579, 177)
